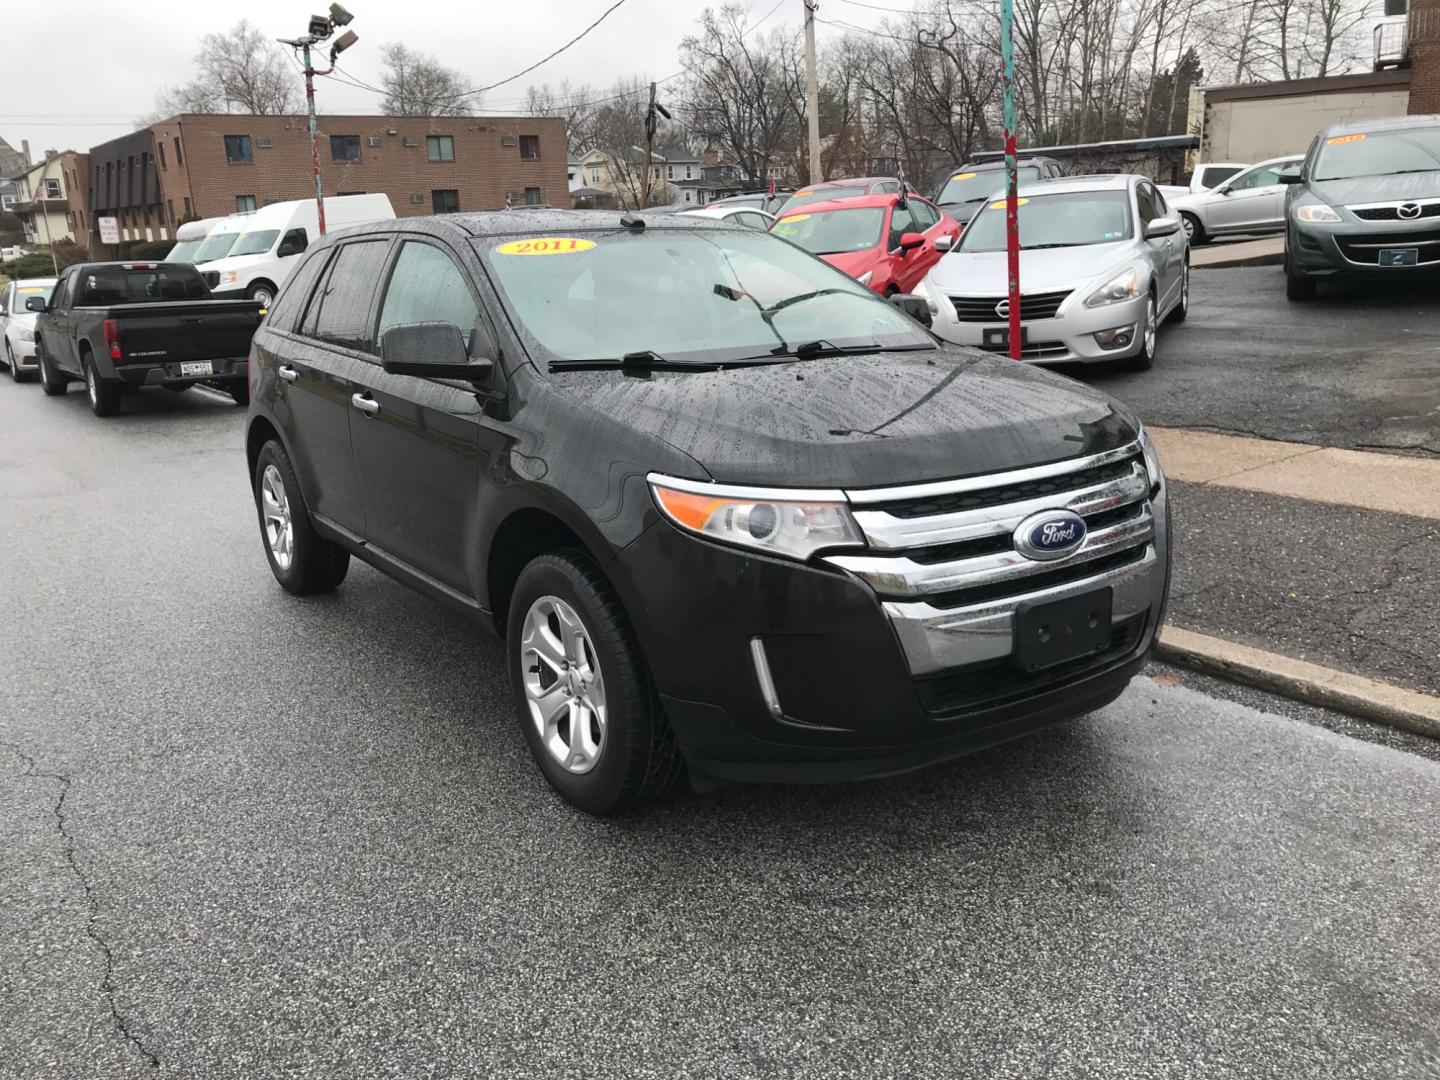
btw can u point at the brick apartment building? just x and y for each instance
(1425, 56)
(202, 166)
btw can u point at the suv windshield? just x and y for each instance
(216, 246)
(702, 296)
(970, 186)
(823, 195)
(831, 232)
(1071, 219)
(253, 243)
(1379, 153)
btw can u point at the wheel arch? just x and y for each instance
(526, 533)
(260, 432)
(274, 289)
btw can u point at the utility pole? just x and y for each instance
(649, 148)
(321, 27)
(1012, 203)
(812, 93)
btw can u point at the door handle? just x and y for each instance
(368, 406)
(289, 374)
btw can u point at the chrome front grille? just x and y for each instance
(986, 309)
(942, 558)
(1413, 210)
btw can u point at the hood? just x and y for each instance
(984, 273)
(853, 263)
(861, 420)
(1368, 189)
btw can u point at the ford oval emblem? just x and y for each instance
(1050, 534)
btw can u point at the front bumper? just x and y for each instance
(1066, 338)
(857, 682)
(24, 353)
(1351, 248)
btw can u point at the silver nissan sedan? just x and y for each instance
(1103, 262)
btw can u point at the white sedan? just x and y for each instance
(1252, 201)
(736, 215)
(17, 326)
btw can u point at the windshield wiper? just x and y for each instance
(790, 300)
(810, 350)
(641, 360)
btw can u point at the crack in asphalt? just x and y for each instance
(107, 982)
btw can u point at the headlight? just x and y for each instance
(922, 288)
(229, 277)
(1152, 460)
(1123, 286)
(1315, 212)
(26, 333)
(792, 523)
(864, 279)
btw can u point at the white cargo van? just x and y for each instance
(189, 237)
(260, 258)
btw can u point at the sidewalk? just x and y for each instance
(1326, 557)
(1266, 251)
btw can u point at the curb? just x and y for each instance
(1269, 259)
(1341, 691)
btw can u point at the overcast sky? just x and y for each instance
(79, 72)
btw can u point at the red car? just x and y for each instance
(879, 240)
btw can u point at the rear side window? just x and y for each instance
(342, 312)
(296, 291)
(427, 286)
(109, 286)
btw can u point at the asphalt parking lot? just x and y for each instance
(1359, 367)
(248, 835)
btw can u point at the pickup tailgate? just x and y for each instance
(180, 330)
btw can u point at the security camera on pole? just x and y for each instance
(321, 27)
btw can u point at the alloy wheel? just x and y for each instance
(275, 508)
(1150, 327)
(564, 687)
(1188, 224)
(91, 387)
(1185, 288)
(263, 295)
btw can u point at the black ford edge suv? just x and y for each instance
(727, 508)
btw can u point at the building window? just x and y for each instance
(445, 202)
(161, 148)
(344, 147)
(594, 176)
(170, 210)
(687, 173)
(237, 150)
(440, 147)
(52, 189)
(243, 203)
(187, 208)
(179, 157)
(529, 147)
(532, 196)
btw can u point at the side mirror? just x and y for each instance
(432, 350)
(944, 243)
(34, 303)
(1289, 177)
(917, 307)
(910, 241)
(1163, 226)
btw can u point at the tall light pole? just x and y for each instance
(1012, 204)
(812, 93)
(321, 27)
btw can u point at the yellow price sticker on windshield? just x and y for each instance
(964, 176)
(789, 218)
(1001, 204)
(545, 245)
(30, 291)
(803, 194)
(1343, 139)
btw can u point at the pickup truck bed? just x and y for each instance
(103, 328)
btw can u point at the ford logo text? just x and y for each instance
(1050, 534)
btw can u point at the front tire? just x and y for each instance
(585, 699)
(1182, 309)
(302, 560)
(104, 396)
(15, 373)
(1194, 231)
(262, 291)
(1144, 360)
(1297, 286)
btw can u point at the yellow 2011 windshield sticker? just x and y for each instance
(30, 291)
(1343, 139)
(1001, 204)
(545, 245)
(803, 194)
(963, 176)
(791, 218)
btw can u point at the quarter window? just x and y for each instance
(344, 147)
(341, 311)
(237, 149)
(440, 147)
(427, 286)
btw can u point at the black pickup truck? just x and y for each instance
(130, 324)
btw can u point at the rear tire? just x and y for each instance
(50, 383)
(302, 560)
(104, 396)
(634, 760)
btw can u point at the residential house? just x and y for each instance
(12, 161)
(622, 174)
(50, 202)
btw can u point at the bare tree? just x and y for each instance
(575, 105)
(240, 71)
(416, 84)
